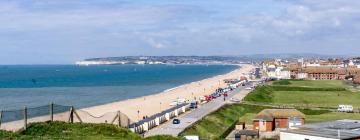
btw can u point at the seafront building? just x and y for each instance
(333, 69)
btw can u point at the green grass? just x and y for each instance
(322, 93)
(331, 116)
(261, 94)
(316, 98)
(62, 130)
(312, 83)
(213, 125)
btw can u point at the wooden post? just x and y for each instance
(1, 112)
(71, 117)
(25, 118)
(113, 120)
(119, 118)
(51, 111)
(77, 116)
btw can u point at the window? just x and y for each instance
(307, 139)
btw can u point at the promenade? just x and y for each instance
(189, 119)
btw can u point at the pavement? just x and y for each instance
(190, 118)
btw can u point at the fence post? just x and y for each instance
(1, 112)
(51, 111)
(119, 118)
(71, 117)
(25, 118)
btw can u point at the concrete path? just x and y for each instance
(189, 119)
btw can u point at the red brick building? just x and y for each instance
(324, 73)
(270, 119)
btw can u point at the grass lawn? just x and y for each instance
(62, 130)
(312, 83)
(322, 93)
(317, 98)
(331, 116)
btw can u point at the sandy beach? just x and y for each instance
(152, 104)
(146, 105)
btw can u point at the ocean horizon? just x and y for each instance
(85, 86)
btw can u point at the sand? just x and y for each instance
(152, 104)
(146, 105)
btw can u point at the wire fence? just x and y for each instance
(13, 120)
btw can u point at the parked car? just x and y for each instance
(345, 108)
(248, 88)
(176, 121)
(234, 100)
(193, 104)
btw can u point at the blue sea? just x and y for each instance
(84, 86)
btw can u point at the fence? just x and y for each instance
(13, 120)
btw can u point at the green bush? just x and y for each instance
(282, 82)
(313, 112)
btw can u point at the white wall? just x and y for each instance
(293, 136)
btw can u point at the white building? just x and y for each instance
(334, 130)
(301, 75)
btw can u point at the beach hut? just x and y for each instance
(155, 120)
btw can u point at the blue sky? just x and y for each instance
(64, 31)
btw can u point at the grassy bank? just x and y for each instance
(213, 125)
(62, 130)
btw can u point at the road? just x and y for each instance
(190, 118)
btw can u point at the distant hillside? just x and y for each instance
(199, 59)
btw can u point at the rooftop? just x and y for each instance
(270, 114)
(342, 129)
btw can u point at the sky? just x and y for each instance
(65, 31)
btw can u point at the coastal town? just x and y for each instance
(164, 60)
(180, 70)
(285, 99)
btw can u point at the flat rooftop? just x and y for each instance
(341, 129)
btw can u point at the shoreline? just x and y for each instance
(146, 105)
(151, 104)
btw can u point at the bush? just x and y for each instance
(313, 112)
(282, 82)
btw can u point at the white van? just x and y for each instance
(192, 137)
(345, 108)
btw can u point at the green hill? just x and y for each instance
(76, 131)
